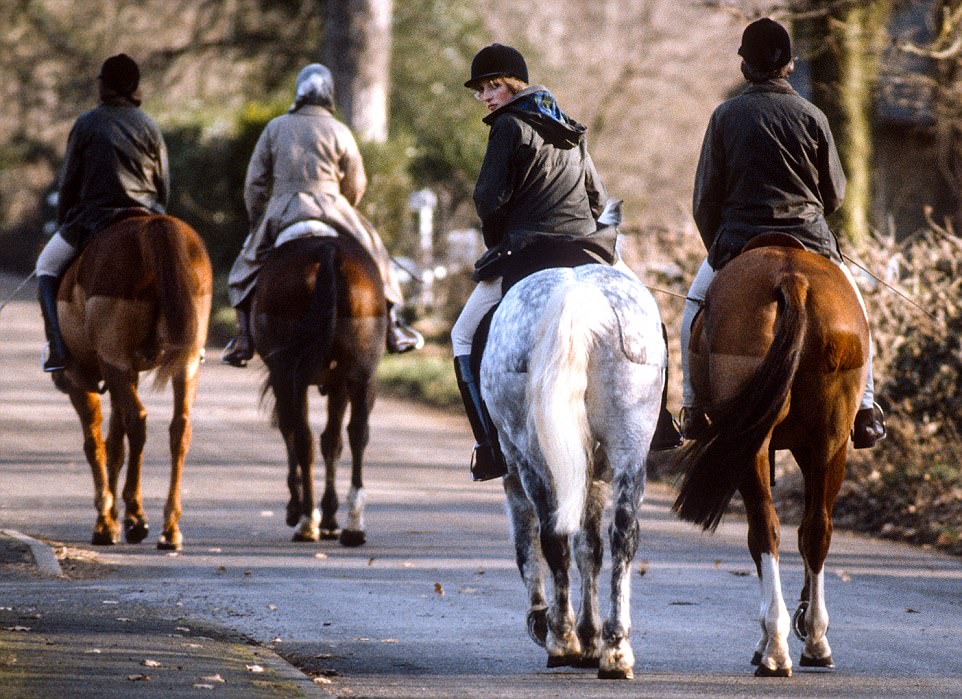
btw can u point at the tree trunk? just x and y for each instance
(357, 49)
(844, 77)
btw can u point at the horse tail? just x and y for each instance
(716, 465)
(312, 344)
(320, 323)
(557, 383)
(167, 257)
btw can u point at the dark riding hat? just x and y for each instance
(496, 61)
(766, 45)
(121, 74)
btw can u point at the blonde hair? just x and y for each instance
(514, 84)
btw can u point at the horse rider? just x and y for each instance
(115, 166)
(537, 191)
(768, 164)
(306, 177)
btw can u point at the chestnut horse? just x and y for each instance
(136, 299)
(781, 353)
(319, 319)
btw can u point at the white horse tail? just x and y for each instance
(557, 381)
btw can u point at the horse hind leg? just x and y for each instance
(617, 657)
(292, 421)
(562, 642)
(184, 385)
(332, 444)
(771, 653)
(88, 406)
(358, 435)
(589, 555)
(525, 532)
(814, 539)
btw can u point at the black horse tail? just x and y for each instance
(714, 467)
(312, 345)
(320, 323)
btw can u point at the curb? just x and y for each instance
(42, 554)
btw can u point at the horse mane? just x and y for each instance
(714, 466)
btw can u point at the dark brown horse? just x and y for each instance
(781, 351)
(137, 299)
(319, 319)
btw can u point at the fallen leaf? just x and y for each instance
(272, 607)
(909, 610)
(254, 668)
(138, 678)
(95, 651)
(642, 567)
(110, 601)
(320, 555)
(150, 663)
(370, 561)
(182, 629)
(213, 550)
(322, 680)
(201, 685)
(266, 513)
(122, 619)
(438, 589)
(212, 678)
(18, 628)
(844, 577)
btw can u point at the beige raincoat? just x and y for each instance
(306, 166)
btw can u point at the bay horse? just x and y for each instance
(781, 351)
(319, 319)
(136, 299)
(572, 377)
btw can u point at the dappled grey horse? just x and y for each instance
(572, 376)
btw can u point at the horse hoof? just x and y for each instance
(808, 661)
(104, 539)
(352, 537)
(292, 518)
(538, 625)
(165, 543)
(563, 660)
(135, 532)
(304, 537)
(757, 659)
(765, 671)
(616, 674)
(330, 534)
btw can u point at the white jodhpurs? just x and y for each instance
(694, 301)
(55, 257)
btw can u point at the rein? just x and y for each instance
(891, 288)
(17, 290)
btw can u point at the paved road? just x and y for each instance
(432, 606)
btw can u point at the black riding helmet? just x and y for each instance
(766, 45)
(495, 61)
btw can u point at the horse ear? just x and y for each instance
(612, 214)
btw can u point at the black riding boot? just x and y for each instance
(869, 427)
(240, 350)
(57, 349)
(401, 337)
(666, 434)
(487, 462)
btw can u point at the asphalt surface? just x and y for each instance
(431, 606)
